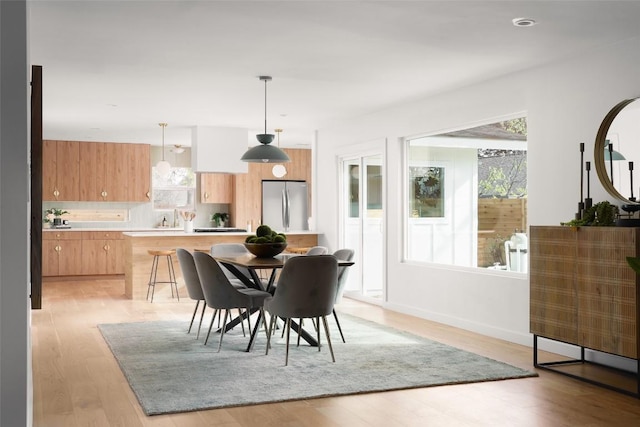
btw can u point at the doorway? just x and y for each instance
(362, 224)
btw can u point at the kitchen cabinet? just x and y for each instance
(61, 253)
(60, 170)
(139, 172)
(216, 188)
(102, 252)
(103, 172)
(246, 205)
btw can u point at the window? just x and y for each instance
(466, 197)
(174, 191)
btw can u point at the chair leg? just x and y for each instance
(286, 358)
(272, 321)
(299, 332)
(264, 322)
(204, 306)
(224, 326)
(326, 331)
(335, 315)
(318, 332)
(193, 317)
(242, 323)
(215, 312)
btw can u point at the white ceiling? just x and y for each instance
(113, 70)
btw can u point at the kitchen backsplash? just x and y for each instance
(140, 215)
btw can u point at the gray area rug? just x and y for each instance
(170, 371)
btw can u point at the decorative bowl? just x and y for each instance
(265, 250)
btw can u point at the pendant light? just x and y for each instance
(265, 153)
(163, 166)
(279, 170)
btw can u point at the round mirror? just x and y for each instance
(617, 151)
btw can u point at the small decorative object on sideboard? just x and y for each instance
(266, 243)
(602, 214)
(220, 218)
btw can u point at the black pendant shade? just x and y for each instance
(265, 153)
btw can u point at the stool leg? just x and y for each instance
(152, 277)
(172, 278)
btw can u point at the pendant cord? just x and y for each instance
(265, 106)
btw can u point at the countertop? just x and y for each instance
(123, 229)
(181, 233)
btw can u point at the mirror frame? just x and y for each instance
(598, 152)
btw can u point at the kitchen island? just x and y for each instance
(138, 261)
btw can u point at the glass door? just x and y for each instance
(362, 225)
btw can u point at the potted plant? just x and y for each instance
(219, 218)
(52, 215)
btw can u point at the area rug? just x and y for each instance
(170, 371)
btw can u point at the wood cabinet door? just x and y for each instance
(50, 258)
(68, 170)
(70, 260)
(115, 257)
(116, 173)
(216, 188)
(94, 259)
(60, 170)
(49, 170)
(138, 157)
(89, 190)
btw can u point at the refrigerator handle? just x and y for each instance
(286, 209)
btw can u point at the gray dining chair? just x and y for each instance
(317, 250)
(192, 282)
(306, 289)
(220, 294)
(342, 255)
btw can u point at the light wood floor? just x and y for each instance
(77, 382)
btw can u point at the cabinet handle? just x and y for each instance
(206, 195)
(58, 235)
(103, 194)
(148, 196)
(56, 193)
(106, 247)
(58, 248)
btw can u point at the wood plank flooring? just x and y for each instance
(77, 382)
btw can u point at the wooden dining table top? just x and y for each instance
(252, 262)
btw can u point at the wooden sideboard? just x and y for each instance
(583, 292)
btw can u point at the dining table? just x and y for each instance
(255, 265)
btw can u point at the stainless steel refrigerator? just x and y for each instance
(284, 205)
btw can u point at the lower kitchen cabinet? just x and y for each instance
(102, 252)
(61, 253)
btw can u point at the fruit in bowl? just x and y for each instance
(266, 243)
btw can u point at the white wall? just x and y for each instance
(564, 104)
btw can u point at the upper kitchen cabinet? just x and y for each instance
(216, 188)
(103, 172)
(96, 171)
(139, 172)
(218, 149)
(60, 170)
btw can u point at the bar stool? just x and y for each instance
(154, 271)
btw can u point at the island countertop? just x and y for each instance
(138, 261)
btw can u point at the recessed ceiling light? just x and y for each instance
(523, 22)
